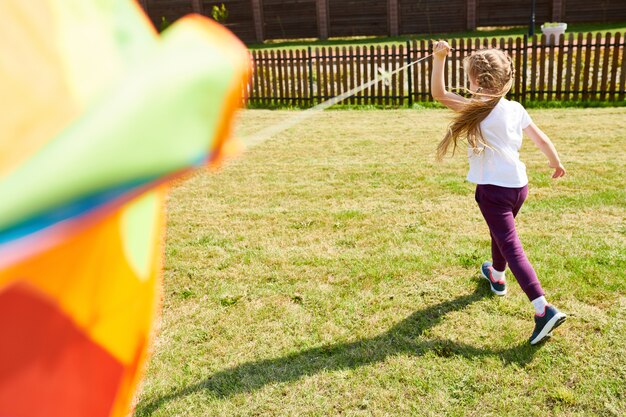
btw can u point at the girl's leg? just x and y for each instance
(499, 263)
(497, 205)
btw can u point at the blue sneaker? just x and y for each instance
(544, 324)
(498, 287)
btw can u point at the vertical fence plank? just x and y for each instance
(290, 71)
(330, 63)
(409, 76)
(622, 78)
(372, 75)
(397, 64)
(462, 53)
(283, 78)
(254, 92)
(401, 75)
(290, 78)
(268, 66)
(388, 83)
(422, 71)
(533, 67)
(259, 69)
(307, 75)
(568, 67)
(297, 60)
(345, 76)
(477, 44)
(524, 69)
(414, 54)
(379, 85)
(579, 67)
(352, 62)
(252, 80)
(542, 69)
(339, 68)
(429, 71)
(324, 94)
(595, 73)
(289, 91)
(306, 67)
(304, 78)
(359, 61)
(300, 78)
(384, 86)
(585, 80)
(319, 76)
(605, 65)
(614, 64)
(508, 47)
(280, 78)
(518, 68)
(550, 64)
(559, 68)
(337, 59)
(273, 62)
(341, 73)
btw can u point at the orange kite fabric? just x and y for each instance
(99, 113)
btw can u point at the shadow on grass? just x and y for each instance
(403, 338)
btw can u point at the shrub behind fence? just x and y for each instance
(572, 68)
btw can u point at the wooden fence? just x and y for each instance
(572, 68)
(257, 20)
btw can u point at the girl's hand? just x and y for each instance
(559, 170)
(441, 49)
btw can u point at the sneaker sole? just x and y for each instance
(554, 322)
(493, 290)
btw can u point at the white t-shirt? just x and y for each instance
(499, 163)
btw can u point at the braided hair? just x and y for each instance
(492, 70)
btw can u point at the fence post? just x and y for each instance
(409, 72)
(257, 15)
(144, 4)
(471, 15)
(310, 63)
(322, 18)
(197, 6)
(524, 66)
(392, 6)
(557, 10)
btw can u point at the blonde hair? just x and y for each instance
(492, 70)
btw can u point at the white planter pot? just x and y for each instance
(553, 30)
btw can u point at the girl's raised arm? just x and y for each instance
(545, 145)
(437, 85)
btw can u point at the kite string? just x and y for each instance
(264, 134)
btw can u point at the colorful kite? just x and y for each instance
(99, 112)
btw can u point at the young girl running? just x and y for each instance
(492, 127)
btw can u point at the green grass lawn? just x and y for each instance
(487, 32)
(333, 270)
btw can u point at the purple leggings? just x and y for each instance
(499, 206)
